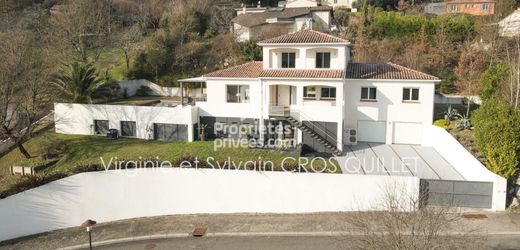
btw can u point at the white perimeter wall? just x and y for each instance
(79, 118)
(465, 163)
(122, 194)
(389, 106)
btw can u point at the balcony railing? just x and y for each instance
(278, 111)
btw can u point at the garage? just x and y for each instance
(407, 133)
(170, 132)
(372, 131)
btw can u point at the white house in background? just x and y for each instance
(510, 26)
(314, 3)
(262, 23)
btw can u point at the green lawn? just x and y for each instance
(79, 150)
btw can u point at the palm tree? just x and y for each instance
(79, 82)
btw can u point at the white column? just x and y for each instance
(340, 109)
(301, 61)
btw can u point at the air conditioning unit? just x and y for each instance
(351, 136)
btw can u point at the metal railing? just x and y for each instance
(320, 129)
(278, 110)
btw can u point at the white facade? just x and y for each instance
(399, 121)
(79, 118)
(338, 3)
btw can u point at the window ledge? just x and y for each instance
(414, 102)
(367, 100)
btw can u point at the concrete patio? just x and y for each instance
(396, 160)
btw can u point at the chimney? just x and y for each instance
(259, 4)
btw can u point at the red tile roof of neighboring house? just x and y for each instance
(305, 36)
(384, 71)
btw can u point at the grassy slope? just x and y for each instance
(88, 149)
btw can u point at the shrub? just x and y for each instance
(31, 181)
(497, 134)
(143, 91)
(442, 123)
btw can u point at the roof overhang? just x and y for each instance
(304, 44)
(195, 79)
(393, 80)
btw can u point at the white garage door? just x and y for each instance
(407, 133)
(372, 131)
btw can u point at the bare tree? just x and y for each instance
(82, 28)
(403, 222)
(24, 96)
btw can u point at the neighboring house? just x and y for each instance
(314, 3)
(510, 26)
(471, 7)
(262, 23)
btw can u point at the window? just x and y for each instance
(328, 93)
(101, 126)
(484, 6)
(323, 60)
(238, 93)
(368, 93)
(335, 1)
(454, 7)
(288, 60)
(128, 128)
(411, 94)
(309, 92)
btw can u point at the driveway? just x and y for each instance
(396, 160)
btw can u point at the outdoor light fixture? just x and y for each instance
(88, 224)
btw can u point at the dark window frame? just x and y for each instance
(306, 92)
(134, 129)
(239, 89)
(331, 93)
(368, 94)
(288, 60)
(97, 128)
(411, 94)
(323, 60)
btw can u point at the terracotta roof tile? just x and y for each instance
(383, 71)
(387, 71)
(305, 36)
(299, 73)
(247, 70)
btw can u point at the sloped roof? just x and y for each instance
(383, 71)
(387, 71)
(258, 18)
(247, 70)
(304, 36)
(303, 73)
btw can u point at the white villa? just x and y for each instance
(379, 114)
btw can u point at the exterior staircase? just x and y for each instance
(312, 133)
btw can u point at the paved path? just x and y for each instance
(278, 243)
(249, 224)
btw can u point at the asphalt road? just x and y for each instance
(503, 242)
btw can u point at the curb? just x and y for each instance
(239, 234)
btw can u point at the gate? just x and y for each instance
(471, 194)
